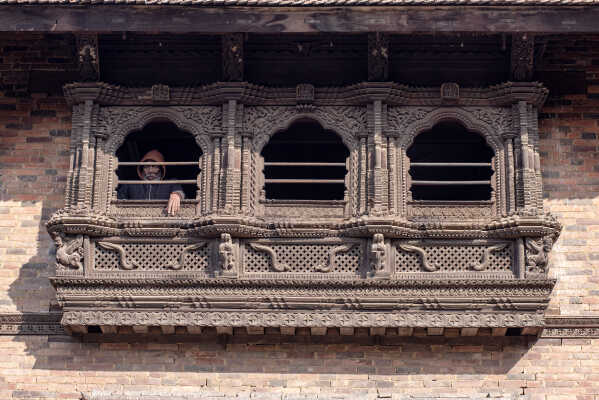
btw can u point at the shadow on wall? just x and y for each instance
(278, 359)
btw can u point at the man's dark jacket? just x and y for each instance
(147, 191)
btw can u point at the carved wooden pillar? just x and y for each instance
(88, 57)
(232, 57)
(510, 173)
(378, 165)
(80, 182)
(233, 157)
(363, 175)
(522, 57)
(527, 155)
(216, 174)
(246, 174)
(378, 57)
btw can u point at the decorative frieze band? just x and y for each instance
(49, 323)
(303, 319)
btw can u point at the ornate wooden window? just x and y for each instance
(448, 163)
(182, 155)
(305, 162)
(382, 255)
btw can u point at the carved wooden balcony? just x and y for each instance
(376, 257)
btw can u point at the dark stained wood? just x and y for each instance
(181, 19)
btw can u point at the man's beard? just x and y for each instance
(152, 176)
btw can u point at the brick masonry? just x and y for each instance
(34, 140)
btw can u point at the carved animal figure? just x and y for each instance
(537, 254)
(68, 254)
(226, 252)
(378, 252)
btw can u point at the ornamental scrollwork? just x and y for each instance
(400, 117)
(123, 262)
(500, 119)
(427, 264)
(486, 257)
(178, 263)
(332, 253)
(274, 261)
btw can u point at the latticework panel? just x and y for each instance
(153, 256)
(454, 258)
(303, 258)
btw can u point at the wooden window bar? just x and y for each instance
(157, 182)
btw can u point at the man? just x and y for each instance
(171, 191)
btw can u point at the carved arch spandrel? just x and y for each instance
(115, 123)
(262, 122)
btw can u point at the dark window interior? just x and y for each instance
(173, 143)
(450, 143)
(305, 142)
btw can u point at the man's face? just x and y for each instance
(151, 172)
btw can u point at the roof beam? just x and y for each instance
(182, 19)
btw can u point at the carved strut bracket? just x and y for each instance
(486, 257)
(124, 263)
(332, 253)
(88, 58)
(522, 57)
(232, 53)
(426, 263)
(273, 257)
(178, 264)
(378, 57)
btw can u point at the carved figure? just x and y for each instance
(378, 253)
(68, 254)
(537, 254)
(226, 252)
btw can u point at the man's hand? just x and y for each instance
(174, 203)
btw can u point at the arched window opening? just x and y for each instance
(305, 162)
(178, 149)
(450, 163)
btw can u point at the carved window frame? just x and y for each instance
(117, 123)
(280, 118)
(492, 123)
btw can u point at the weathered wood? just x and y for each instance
(108, 329)
(468, 331)
(181, 19)
(499, 331)
(434, 331)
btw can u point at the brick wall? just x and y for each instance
(34, 139)
(547, 369)
(569, 127)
